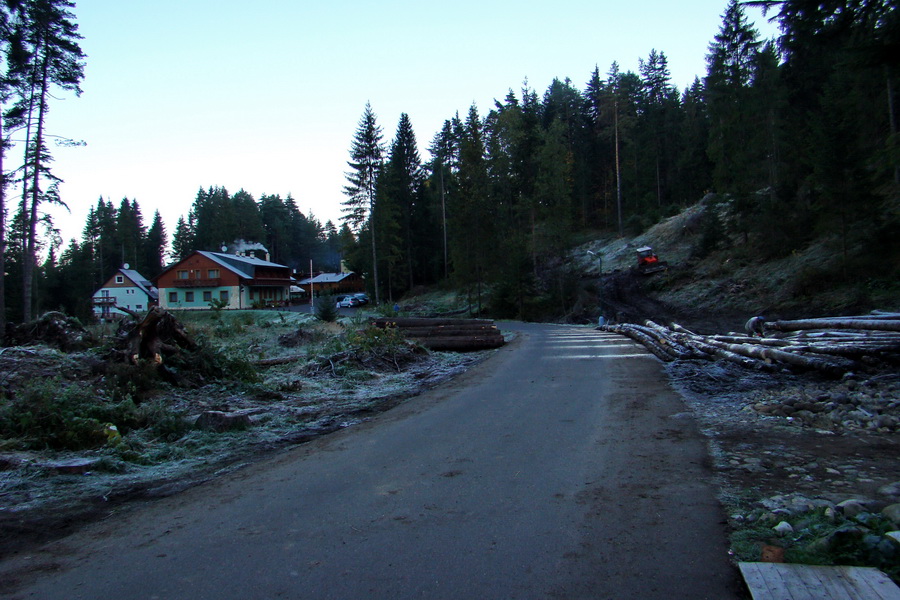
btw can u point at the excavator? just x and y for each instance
(648, 262)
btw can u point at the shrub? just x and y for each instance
(63, 416)
(325, 310)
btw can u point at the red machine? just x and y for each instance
(648, 262)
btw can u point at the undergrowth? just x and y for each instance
(58, 415)
(819, 538)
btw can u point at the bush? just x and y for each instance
(325, 310)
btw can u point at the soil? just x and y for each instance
(759, 456)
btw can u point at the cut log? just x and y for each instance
(837, 323)
(461, 343)
(446, 334)
(403, 322)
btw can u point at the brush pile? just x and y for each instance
(833, 346)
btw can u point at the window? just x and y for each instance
(223, 295)
(138, 307)
(189, 296)
(207, 296)
(173, 297)
(213, 274)
(120, 279)
(183, 274)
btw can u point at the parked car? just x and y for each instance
(348, 302)
(363, 299)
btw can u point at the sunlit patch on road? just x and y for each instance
(575, 345)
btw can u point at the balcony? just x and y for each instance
(195, 283)
(270, 282)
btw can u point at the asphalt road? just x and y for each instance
(563, 467)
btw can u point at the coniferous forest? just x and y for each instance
(794, 138)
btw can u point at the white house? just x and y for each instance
(128, 289)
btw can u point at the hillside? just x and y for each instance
(728, 284)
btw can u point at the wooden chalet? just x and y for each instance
(238, 281)
(333, 283)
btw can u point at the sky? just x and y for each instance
(180, 95)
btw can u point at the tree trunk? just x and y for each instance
(2, 240)
(29, 257)
(374, 253)
(618, 171)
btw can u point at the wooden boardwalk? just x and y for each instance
(779, 581)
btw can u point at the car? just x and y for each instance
(363, 299)
(348, 302)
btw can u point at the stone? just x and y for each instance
(73, 466)
(218, 421)
(891, 489)
(892, 512)
(849, 535)
(784, 528)
(887, 548)
(851, 508)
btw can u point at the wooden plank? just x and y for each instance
(872, 583)
(776, 581)
(756, 581)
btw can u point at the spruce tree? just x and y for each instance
(403, 180)
(52, 58)
(366, 163)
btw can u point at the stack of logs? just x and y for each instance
(447, 334)
(832, 345)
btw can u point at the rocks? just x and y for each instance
(73, 466)
(218, 421)
(851, 508)
(871, 405)
(891, 490)
(892, 512)
(783, 529)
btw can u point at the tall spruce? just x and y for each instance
(366, 163)
(50, 58)
(8, 50)
(731, 65)
(404, 178)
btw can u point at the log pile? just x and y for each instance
(831, 345)
(446, 334)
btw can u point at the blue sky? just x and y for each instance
(266, 96)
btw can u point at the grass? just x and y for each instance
(821, 537)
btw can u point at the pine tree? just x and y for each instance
(52, 58)
(472, 220)
(733, 116)
(155, 247)
(403, 182)
(366, 162)
(183, 239)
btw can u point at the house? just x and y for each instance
(125, 289)
(333, 283)
(236, 280)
